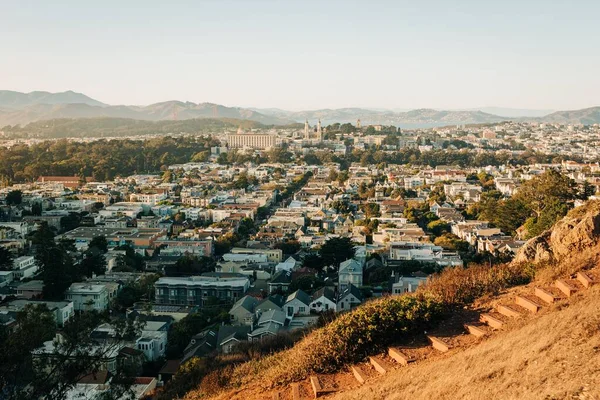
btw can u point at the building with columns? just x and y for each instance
(242, 139)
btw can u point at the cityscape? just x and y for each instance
(325, 249)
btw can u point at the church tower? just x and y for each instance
(306, 130)
(319, 131)
(358, 125)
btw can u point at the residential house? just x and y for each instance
(280, 282)
(297, 303)
(87, 296)
(349, 298)
(242, 312)
(323, 300)
(350, 272)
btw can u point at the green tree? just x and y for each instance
(100, 243)
(93, 264)
(14, 197)
(6, 259)
(288, 247)
(438, 227)
(336, 250)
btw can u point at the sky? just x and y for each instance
(308, 54)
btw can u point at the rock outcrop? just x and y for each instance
(579, 230)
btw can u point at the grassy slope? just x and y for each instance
(554, 357)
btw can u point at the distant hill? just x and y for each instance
(17, 100)
(23, 108)
(586, 116)
(421, 118)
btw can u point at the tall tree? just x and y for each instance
(14, 197)
(336, 250)
(6, 259)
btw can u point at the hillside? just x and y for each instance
(553, 357)
(23, 108)
(420, 118)
(121, 127)
(15, 100)
(586, 116)
(537, 333)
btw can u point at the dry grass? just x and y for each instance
(554, 357)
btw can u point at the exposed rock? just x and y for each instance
(577, 231)
(535, 250)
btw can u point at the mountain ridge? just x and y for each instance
(18, 108)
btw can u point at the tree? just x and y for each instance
(93, 264)
(191, 265)
(57, 272)
(36, 209)
(336, 250)
(313, 261)
(6, 259)
(288, 247)
(14, 197)
(27, 374)
(438, 227)
(545, 190)
(451, 242)
(371, 210)
(341, 207)
(100, 243)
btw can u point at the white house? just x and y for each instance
(351, 272)
(24, 267)
(86, 296)
(297, 303)
(323, 300)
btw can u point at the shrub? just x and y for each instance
(458, 286)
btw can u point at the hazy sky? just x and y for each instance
(308, 54)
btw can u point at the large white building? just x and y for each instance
(251, 140)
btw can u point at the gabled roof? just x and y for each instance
(351, 289)
(282, 277)
(300, 295)
(247, 303)
(350, 265)
(271, 328)
(326, 292)
(227, 333)
(201, 344)
(275, 300)
(269, 316)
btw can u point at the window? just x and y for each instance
(301, 309)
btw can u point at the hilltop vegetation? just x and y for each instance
(122, 127)
(102, 160)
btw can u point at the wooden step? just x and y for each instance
(399, 356)
(585, 279)
(316, 386)
(475, 331)
(491, 321)
(565, 287)
(544, 295)
(359, 374)
(527, 304)
(296, 391)
(439, 344)
(378, 364)
(508, 311)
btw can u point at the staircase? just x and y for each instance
(485, 325)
